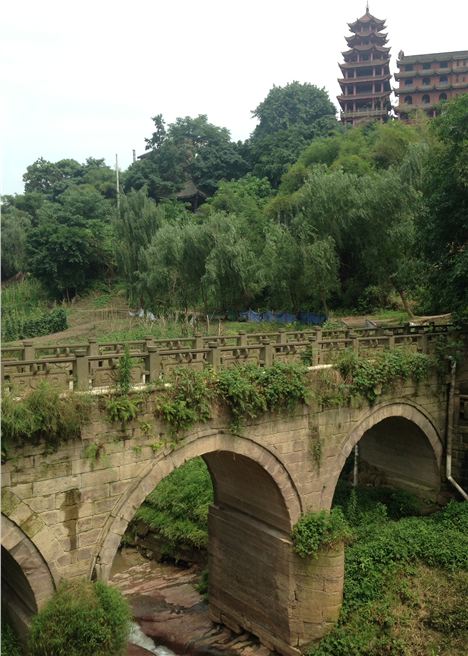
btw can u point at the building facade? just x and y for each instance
(427, 80)
(365, 85)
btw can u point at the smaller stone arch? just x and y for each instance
(29, 558)
(400, 410)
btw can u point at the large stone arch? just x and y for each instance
(409, 414)
(26, 577)
(198, 445)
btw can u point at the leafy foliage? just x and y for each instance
(81, 619)
(369, 377)
(10, 644)
(381, 564)
(177, 509)
(187, 399)
(43, 414)
(321, 530)
(16, 325)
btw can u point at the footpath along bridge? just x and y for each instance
(63, 515)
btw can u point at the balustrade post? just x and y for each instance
(266, 353)
(81, 370)
(153, 364)
(214, 355)
(93, 346)
(29, 351)
(355, 341)
(148, 341)
(424, 342)
(242, 338)
(281, 339)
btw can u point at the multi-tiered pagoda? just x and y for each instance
(365, 85)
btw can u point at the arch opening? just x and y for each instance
(18, 600)
(399, 447)
(250, 559)
(396, 452)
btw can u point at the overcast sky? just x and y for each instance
(84, 78)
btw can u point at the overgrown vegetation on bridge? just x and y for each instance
(188, 396)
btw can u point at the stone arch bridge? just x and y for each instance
(63, 515)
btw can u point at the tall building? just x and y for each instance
(365, 85)
(426, 80)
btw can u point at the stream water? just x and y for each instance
(170, 616)
(137, 637)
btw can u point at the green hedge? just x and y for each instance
(81, 619)
(19, 326)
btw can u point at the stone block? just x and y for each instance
(41, 504)
(32, 525)
(56, 485)
(98, 478)
(95, 493)
(9, 501)
(104, 505)
(85, 524)
(88, 537)
(119, 487)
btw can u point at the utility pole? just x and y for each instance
(134, 156)
(117, 183)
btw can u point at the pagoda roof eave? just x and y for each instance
(361, 80)
(364, 64)
(366, 49)
(367, 18)
(378, 35)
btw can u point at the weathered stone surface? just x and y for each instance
(74, 512)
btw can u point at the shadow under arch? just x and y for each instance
(219, 451)
(27, 582)
(253, 572)
(410, 458)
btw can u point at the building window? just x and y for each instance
(426, 65)
(408, 67)
(443, 64)
(426, 99)
(443, 96)
(426, 81)
(409, 82)
(408, 100)
(443, 79)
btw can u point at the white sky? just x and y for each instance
(84, 78)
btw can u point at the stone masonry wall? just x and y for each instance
(74, 510)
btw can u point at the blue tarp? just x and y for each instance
(309, 318)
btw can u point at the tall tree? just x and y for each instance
(289, 118)
(189, 149)
(444, 228)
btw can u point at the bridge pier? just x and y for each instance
(258, 584)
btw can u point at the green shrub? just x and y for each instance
(380, 565)
(81, 619)
(177, 509)
(43, 414)
(187, 399)
(369, 377)
(320, 530)
(10, 643)
(18, 325)
(249, 391)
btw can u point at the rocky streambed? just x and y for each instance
(170, 611)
